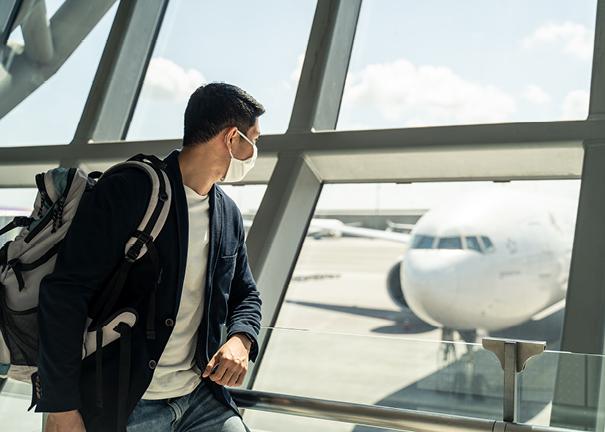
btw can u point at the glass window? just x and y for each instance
(247, 198)
(487, 243)
(450, 243)
(15, 397)
(15, 202)
(355, 295)
(422, 242)
(31, 122)
(439, 62)
(233, 42)
(472, 243)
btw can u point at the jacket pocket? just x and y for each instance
(225, 269)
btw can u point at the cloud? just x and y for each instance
(575, 105)
(167, 80)
(573, 38)
(295, 75)
(425, 95)
(536, 95)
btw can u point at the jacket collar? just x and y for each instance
(179, 198)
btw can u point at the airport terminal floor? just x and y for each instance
(420, 185)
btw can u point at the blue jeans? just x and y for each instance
(198, 411)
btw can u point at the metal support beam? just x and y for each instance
(9, 14)
(37, 36)
(362, 141)
(68, 27)
(119, 78)
(281, 223)
(277, 234)
(577, 389)
(324, 70)
(597, 85)
(474, 152)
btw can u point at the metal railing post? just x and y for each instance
(513, 355)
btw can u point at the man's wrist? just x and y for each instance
(246, 340)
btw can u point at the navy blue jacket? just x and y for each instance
(88, 256)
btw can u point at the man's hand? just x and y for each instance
(232, 359)
(67, 421)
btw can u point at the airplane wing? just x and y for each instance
(399, 226)
(369, 233)
(337, 226)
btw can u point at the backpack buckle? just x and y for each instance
(142, 238)
(132, 254)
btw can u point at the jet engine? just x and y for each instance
(394, 285)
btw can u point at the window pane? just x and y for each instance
(487, 243)
(51, 113)
(473, 244)
(423, 242)
(439, 62)
(381, 290)
(247, 198)
(14, 202)
(258, 46)
(450, 243)
(15, 397)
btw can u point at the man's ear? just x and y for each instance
(230, 134)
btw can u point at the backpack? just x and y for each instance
(25, 260)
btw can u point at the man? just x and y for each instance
(177, 379)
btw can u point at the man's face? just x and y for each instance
(240, 148)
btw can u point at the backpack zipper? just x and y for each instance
(51, 211)
(43, 222)
(43, 192)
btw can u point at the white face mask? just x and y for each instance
(239, 168)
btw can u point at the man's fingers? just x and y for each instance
(209, 366)
(228, 377)
(234, 379)
(218, 375)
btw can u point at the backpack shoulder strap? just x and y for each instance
(141, 241)
(157, 210)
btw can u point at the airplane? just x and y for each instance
(481, 264)
(487, 263)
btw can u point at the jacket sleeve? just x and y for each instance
(244, 305)
(90, 252)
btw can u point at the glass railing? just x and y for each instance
(454, 378)
(15, 398)
(444, 377)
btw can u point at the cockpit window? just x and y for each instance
(476, 243)
(423, 242)
(487, 243)
(472, 243)
(450, 243)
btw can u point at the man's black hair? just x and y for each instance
(215, 106)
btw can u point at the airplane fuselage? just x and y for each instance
(488, 264)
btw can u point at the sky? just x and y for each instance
(414, 63)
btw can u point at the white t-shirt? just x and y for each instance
(176, 374)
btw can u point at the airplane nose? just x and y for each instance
(430, 283)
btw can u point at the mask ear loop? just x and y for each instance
(249, 142)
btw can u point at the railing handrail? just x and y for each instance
(372, 415)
